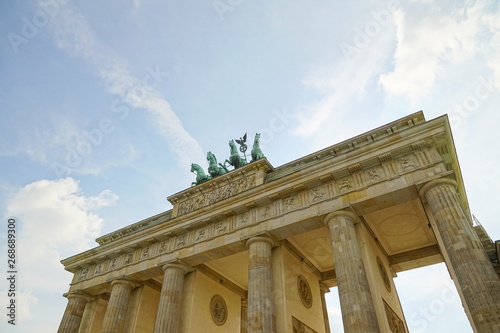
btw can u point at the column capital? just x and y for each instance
(244, 303)
(177, 265)
(77, 302)
(323, 288)
(436, 182)
(125, 282)
(265, 239)
(339, 213)
(78, 294)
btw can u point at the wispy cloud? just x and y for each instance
(341, 86)
(63, 145)
(74, 36)
(428, 45)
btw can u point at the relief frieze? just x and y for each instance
(181, 241)
(243, 219)
(113, 264)
(345, 185)
(374, 175)
(163, 247)
(145, 252)
(200, 235)
(290, 203)
(266, 212)
(218, 194)
(220, 228)
(408, 163)
(128, 258)
(317, 194)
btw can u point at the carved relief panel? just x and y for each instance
(300, 327)
(396, 325)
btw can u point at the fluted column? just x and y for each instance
(324, 289)
(244, 316)
(358, 310)
(475, 275)
(114, 318)
(260, 312)
(74, 311)
(168, 317)
(88, 316)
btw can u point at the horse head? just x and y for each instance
(233, 147)
(257, 137)
(195, 167)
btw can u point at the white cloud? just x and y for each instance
(54, 219)
(24, 302)
(428, 44)
(334, 311)
(74, 36)
(430, 300)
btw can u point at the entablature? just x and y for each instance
(263, 199)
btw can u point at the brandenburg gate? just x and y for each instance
(254, 249)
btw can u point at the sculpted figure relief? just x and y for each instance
(304, 291)
(218, 310)
(84, 273)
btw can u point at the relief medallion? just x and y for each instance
(304, 291)
(218, 310)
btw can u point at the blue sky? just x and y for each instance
(105, 104)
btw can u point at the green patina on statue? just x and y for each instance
(200, 174)
(256, 151)
(215, 169)
(235, 160)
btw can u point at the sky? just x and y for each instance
(105, 104)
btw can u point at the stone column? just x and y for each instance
(261, 316)
(168, 317)
(324, 289)
(358, 310)
(244, 316)
(474, 273)
(87, 317)
(114, 318)
(74, 311)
